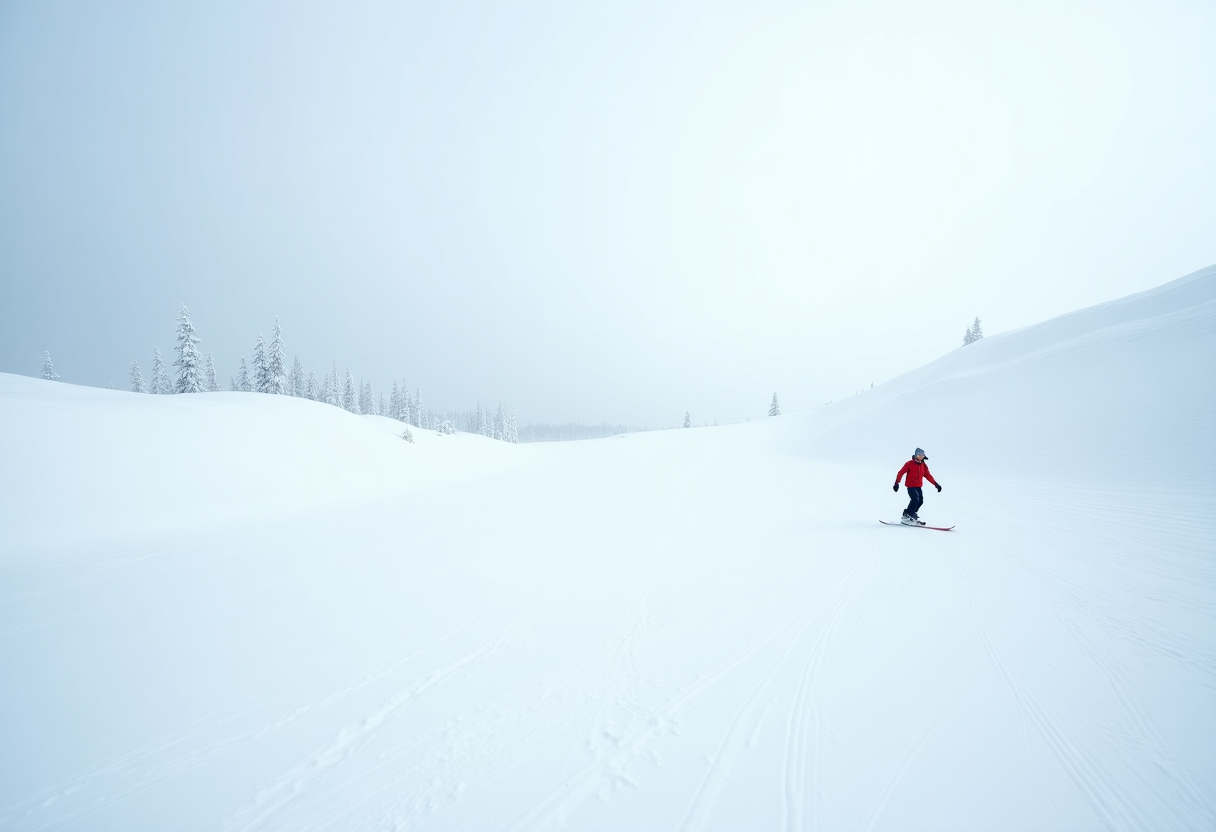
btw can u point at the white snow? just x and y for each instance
(240, 611)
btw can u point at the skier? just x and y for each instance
(917, 472)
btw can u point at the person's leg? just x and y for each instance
(918, 499)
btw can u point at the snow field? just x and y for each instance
(299, 621)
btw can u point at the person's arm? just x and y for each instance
(900, 475)
(929, 477)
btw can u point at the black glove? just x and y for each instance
(938, 487)
(895, 487)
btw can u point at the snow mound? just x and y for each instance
(82, 462)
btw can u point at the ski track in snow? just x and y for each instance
(698, 813)
(805, 722)
(439, 774)
(1088, 767)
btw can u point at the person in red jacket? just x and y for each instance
(917, 472)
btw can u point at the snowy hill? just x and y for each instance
(1124, 391)
(253, 612)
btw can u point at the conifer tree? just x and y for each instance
(350, 399)
(974, 333)
(311, 389)
(332, 394)
(394, 403)
(418, 413)
(295, 381)
(137, 379)
(189, 363)
(512, 426)
(261, 367)
(687, 420)
(48, 367)
(160, 374)
(276, 369)
(243, 383)
(774, 409)
(407, 406)
(213, 380)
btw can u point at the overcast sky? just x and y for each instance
(598, 211)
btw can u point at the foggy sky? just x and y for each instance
(601, 211)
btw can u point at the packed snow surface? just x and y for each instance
(233, 611)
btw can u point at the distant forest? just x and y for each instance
(269, 373)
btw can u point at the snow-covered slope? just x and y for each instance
(85, 463)
(250, 612)
(1123, 392)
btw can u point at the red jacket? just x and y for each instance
(915, 471)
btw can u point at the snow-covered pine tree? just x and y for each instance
(332, 394)
(381, 407)
(418, 412)
(295, 380)
(500, 423)
(774, 409)
(160, 374)
(687, 420)
(48, 367)
(189, 363)
(512, 426)
(261, 367)
(974, 333)
(213, 380)
(137, 379)
(394, 403)
(243, 382)
(276, 362)
(365, 397)
(350, 399)
(232, 383)
(311, 389)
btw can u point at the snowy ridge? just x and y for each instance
(1104, 394)
(243, 612)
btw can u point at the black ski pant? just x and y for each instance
(918, 500)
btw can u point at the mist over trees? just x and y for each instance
(571, 431)
(268, 374)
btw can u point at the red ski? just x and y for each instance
(935, 528)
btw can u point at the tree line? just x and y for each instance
(268, 373)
